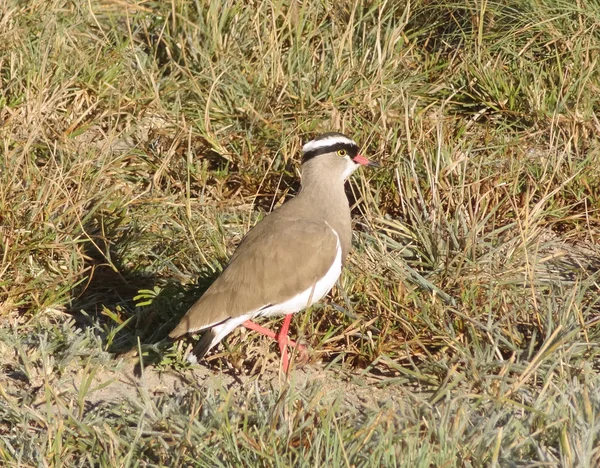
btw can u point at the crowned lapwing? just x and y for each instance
(290, 259)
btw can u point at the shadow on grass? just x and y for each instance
(108, 300)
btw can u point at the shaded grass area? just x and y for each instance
(140, 141)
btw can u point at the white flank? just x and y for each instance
(221, 331)
(333, 140)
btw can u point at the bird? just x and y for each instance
(290, 259)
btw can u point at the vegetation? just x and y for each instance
(141, 140)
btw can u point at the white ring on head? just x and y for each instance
(329, 141)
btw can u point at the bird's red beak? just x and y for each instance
(359, 159)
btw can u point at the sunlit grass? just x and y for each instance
(140, 141)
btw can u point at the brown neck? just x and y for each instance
(324, 194)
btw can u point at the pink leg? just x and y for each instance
(250, 325)
(281, 338)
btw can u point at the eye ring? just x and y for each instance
(342, 152)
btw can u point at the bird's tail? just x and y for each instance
(204, 344)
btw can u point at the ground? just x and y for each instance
(141, 140)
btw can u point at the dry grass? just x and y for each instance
(141, 140)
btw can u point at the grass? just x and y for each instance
(141, 140)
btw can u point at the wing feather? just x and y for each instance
(270, 266)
